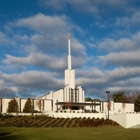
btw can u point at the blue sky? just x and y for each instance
(105, 43)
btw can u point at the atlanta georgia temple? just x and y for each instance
(67, 98)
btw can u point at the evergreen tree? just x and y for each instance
(88, 99)
(119, 97)
(28, 108)
(12, 106)
(137, 104)
(96, 100)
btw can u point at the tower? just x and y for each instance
(69, 73)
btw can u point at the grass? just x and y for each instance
(44, 127)
(71, 133)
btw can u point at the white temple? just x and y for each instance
(69, 94)
(67, 98)
(70, 102)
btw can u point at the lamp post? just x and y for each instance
(108, 103)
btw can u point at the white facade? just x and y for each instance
(42, 105)
(70, 78)
(115, 107)
(4, 105)
(69, 95)
(49, 105)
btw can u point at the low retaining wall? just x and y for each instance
(77, 115)
(20, 114)
(126, 120)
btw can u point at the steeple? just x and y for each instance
(69, 73)
(69, 53)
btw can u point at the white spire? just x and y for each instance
(69, 56)
(69, 43)
(69, 35)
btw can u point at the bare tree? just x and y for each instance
(69, 105)
(38, 103)
(109, 105)
(123, 106)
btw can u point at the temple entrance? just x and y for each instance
(71, 108)
(74, 108)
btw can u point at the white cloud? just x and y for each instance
(92, 73)
(129, 21)
(123, 73)
(124, 89)
(117, 45)
(42, 23)
(45, 48)
(120, 44)
(22, 38)
(3, 38)
(120, 59)
(96, 8)
(133, 82)
(77, 47)
(118, 79)
(30, 80)
(39, 60)
(6, 41)
(49, 34)
(13, 67)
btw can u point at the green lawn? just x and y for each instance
(71, 133)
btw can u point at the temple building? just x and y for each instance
(67, 98)
(68, 95)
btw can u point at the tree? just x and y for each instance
(88, 99)
(123, 106)
(28, 107)
(96, 100)
(69, 104)
(38, 103)
(119, 97)
(13, 106)
(131, 98)
(137, 104)
(109, 105)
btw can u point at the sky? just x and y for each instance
(105, 46)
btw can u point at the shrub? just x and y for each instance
(28, 108)
(12, 106)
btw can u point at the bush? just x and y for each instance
(12, 106)
(28, 108)
(44, 121)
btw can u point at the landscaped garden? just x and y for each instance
(45, 121)
(44, 127)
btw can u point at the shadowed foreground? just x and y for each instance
(61, 133)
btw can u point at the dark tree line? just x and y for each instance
(92, 100)
(128, 98)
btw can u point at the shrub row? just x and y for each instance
(45, 121)
(96, 122)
